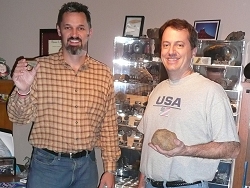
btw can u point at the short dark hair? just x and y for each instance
(179, 24)
(73, 7)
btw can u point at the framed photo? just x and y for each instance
(50, 42)
(8, 166)
(207, 29)
(133, 26)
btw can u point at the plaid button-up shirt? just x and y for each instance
(72, 111)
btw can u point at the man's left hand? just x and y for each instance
(107, 180)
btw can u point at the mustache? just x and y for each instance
(74, 38)
(172, 54)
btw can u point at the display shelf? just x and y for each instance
(6, 87)
(222, 176)
(129, 137)
(129, 126)
(136, 72)
(223, 52)
(226, 68)
(229, 77)
(123, 182)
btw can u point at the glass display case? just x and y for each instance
(223, 62)
(137, 69)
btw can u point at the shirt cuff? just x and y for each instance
(109, 166)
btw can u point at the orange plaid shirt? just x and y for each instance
(72, 111)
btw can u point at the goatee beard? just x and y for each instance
(74, 50)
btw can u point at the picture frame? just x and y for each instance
(7, 166)
(207, 29)
(133, 26)
(50, 41)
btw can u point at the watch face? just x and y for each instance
(4, 70)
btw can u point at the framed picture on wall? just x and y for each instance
(207, 29)
(133, 26)
(50, 42)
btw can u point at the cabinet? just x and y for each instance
(136, 70)
(224, 65)
(6, 87)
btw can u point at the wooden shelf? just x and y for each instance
(6, 87)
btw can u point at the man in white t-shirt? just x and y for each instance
(195, 108)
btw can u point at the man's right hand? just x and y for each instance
(22, 77)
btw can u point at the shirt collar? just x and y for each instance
(61, 61)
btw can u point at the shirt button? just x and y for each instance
(76, 122)
(75, 90)
(76, 106)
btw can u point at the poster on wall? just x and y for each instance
(207, 29)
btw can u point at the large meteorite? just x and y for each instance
(164, 138)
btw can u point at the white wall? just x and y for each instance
(21, 20)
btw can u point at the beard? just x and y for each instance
(74, 50)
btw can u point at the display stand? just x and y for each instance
(225, 67)
(137, 70)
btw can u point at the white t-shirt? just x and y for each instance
(198, 111)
